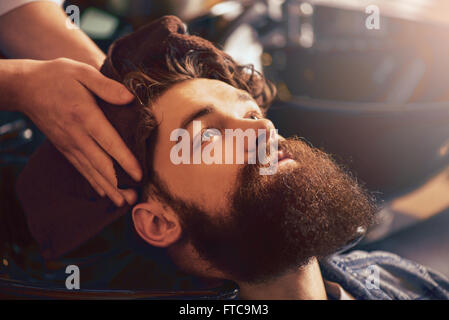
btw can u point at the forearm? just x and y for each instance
(38, 31)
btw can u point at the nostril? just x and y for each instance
(258, 140)
(263, 137)
(182, 28)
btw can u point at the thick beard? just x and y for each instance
(277, 223)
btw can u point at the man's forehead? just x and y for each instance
(192, 95)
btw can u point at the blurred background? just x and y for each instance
(376, 99)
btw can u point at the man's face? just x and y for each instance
(251, 226)
(217, 105)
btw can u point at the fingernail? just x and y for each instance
(120, 202)
(130, 196)
(137, 175)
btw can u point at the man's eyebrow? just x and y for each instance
(244, 96)
(198, 114)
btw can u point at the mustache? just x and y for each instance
(291, 148)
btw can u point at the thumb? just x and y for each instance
(107, 89)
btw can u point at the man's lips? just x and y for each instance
(283, 156)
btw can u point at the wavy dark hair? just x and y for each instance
(148, 84)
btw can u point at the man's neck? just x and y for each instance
(305, 283)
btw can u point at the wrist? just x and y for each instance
(15, 77)
(10, 72)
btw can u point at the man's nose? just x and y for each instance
(262, 128)
(255, 124)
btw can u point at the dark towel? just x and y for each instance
(62, 209)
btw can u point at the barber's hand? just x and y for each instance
(54, 96)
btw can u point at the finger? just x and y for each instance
(84, 173)
(111, 191)
(130, 195)
(108, 138)
(107, 89)
(103, 164)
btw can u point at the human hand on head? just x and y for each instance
(55, 95)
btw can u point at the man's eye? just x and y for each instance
(209, 133)
(254, 116)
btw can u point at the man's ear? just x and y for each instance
(156, 224)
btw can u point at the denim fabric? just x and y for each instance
(383, 275)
